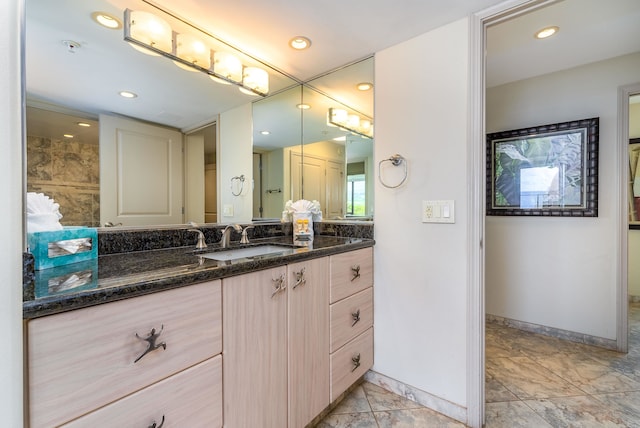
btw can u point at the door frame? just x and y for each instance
(476, 163)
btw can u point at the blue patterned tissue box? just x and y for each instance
(61, 247)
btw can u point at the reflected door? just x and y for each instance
(140, 173)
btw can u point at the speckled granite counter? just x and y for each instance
(122, 275)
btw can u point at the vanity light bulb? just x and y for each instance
(193, 50)
(338, 116)
(228, 66)
(150, 30)
(255, 78)
(353, 121)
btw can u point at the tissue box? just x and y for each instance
(62, 247)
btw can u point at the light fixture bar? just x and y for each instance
(247, 82)
(350, 122)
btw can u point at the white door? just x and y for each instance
(140, 173)
(335, 190)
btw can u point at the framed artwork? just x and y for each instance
(549, 170)
(634, 183)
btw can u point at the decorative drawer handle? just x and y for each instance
(151, 342)
(153, 425)
(356, 317)
(279, 285)
(356, 362)
(355, 270)
(300, 279)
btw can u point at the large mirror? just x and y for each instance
(74, 71)
(303, 155)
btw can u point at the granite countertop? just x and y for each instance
(119, 276)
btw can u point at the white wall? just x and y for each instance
(11, 193)
(560, 272)
(420, 269)
(235, 149)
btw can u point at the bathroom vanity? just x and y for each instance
(168, 336)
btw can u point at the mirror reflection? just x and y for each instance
(65, 88)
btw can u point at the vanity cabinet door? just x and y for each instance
(351, 272)
(81, 360)
(255, 349)
(191, 398)
(308, 292)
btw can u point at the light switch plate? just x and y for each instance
(227, 210)
(438, 211)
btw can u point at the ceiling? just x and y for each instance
(87, 80)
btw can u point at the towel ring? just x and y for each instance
(241, 180)
(395, 161)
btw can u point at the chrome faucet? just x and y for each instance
(201, 243)
(226, 234)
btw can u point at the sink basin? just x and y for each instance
(248, 252)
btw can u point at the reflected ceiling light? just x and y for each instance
(106, 20)
(193, 49)
(351, 122)
(303, 106)
(83, 124)
(300, 42)
(127, 94)
(342, 138)
(68, 135)
(364, 86)
(546, 32)
(265, 132)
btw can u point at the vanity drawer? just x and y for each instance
(351, 272)
(350, 317)
(350, 362)
(83, 359)
(190, 398)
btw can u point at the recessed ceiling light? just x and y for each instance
(106, 20)
(83, 124)
(265, 132)
(127, 94)
(546, 32)
(68, 135)
(300, 43)
(303, 106)
(343, 138)
(364, 86)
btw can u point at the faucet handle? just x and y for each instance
(244, 239)
(201, 242)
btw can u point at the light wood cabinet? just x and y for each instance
(351, 318)
(84, 359)
(276, 329)
(191, 398)
(351, 272)
(255, 349)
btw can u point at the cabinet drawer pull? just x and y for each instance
(151, 342)
(153, 425)
(356, 317)
(300, 279)
(355, 271)
(279, 285)
(356, 362)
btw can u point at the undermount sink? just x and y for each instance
(248, 252)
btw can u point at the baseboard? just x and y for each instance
(554, 332)
(416, 395)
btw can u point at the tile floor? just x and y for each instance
(531, 381)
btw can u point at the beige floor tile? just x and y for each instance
(583, 411)
(413, 418)
(512, 414)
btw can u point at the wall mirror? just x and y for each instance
(303, 155)
(75, 69)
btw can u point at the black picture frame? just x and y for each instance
(547, 170)
(634, 180)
